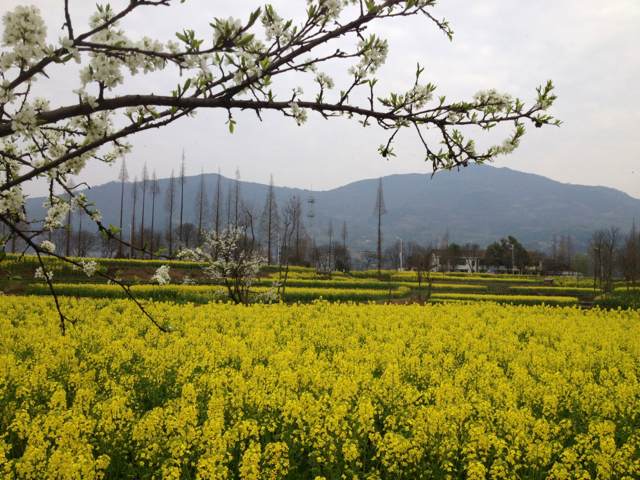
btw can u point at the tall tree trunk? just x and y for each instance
(182, 180)
(79, 249)
(218, 197)
(67, 250)
(144, 197)
(379, 252)
(134, 198)
(153, 217)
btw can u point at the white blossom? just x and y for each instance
(56, 213)
(42, 274)
(12, 202)
(25, 32)
(226, 28)
(492, 100)
(48, 246)
(89, 267)
(324, 80)
(274, 26)
(299, 114)
(95, 215)
(331, 9)
(24, 121)
(161, 276)
(373, 55)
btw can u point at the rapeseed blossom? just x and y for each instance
(318, 391)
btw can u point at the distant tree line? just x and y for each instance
(283, 233)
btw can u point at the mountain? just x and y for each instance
(478, 204)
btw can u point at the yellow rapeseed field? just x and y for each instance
(320, 391)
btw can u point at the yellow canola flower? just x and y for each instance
(473, 390)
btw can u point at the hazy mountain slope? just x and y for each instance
(477, 204)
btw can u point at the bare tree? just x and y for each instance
(170, 200)
(84, 240)
(420, 260)
(68, 231)
(123, 176)
(143, 191)
(379, 211)
(217, 206)
(345, 234)
(249, 224)
(79, 243)
(602, 250)
(630, 256)
(189, 234)
(229, 206)
(134, 201)
(182, 182)
(294, 206)
(270, 220)
(201, 204)
(236, 198)
(330, 237)
(290, 216)
(155, 190)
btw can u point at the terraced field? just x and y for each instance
(303, 284)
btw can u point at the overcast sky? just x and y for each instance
(589, 48)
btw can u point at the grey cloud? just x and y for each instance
(589, 48)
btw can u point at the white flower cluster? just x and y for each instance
(226, 257)
(107, 68)
(89, 267)
(56, 213)
(6, 94)
(67, 44)
(95, 215)
(330, 9)
(225, 29)
(373, 54)
(299, 114)
(12, 202)
(104, 69)
(25, 33)
(161, 276)
(248, 67)
(24, 121)
(274, 26)
(419, 95)
(48, 246)
(324, 80)
(492, 100)
(191, 255)
(42, 274)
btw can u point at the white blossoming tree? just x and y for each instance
(229, 258)
(241, 64)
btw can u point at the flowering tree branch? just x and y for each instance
(241, 65)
